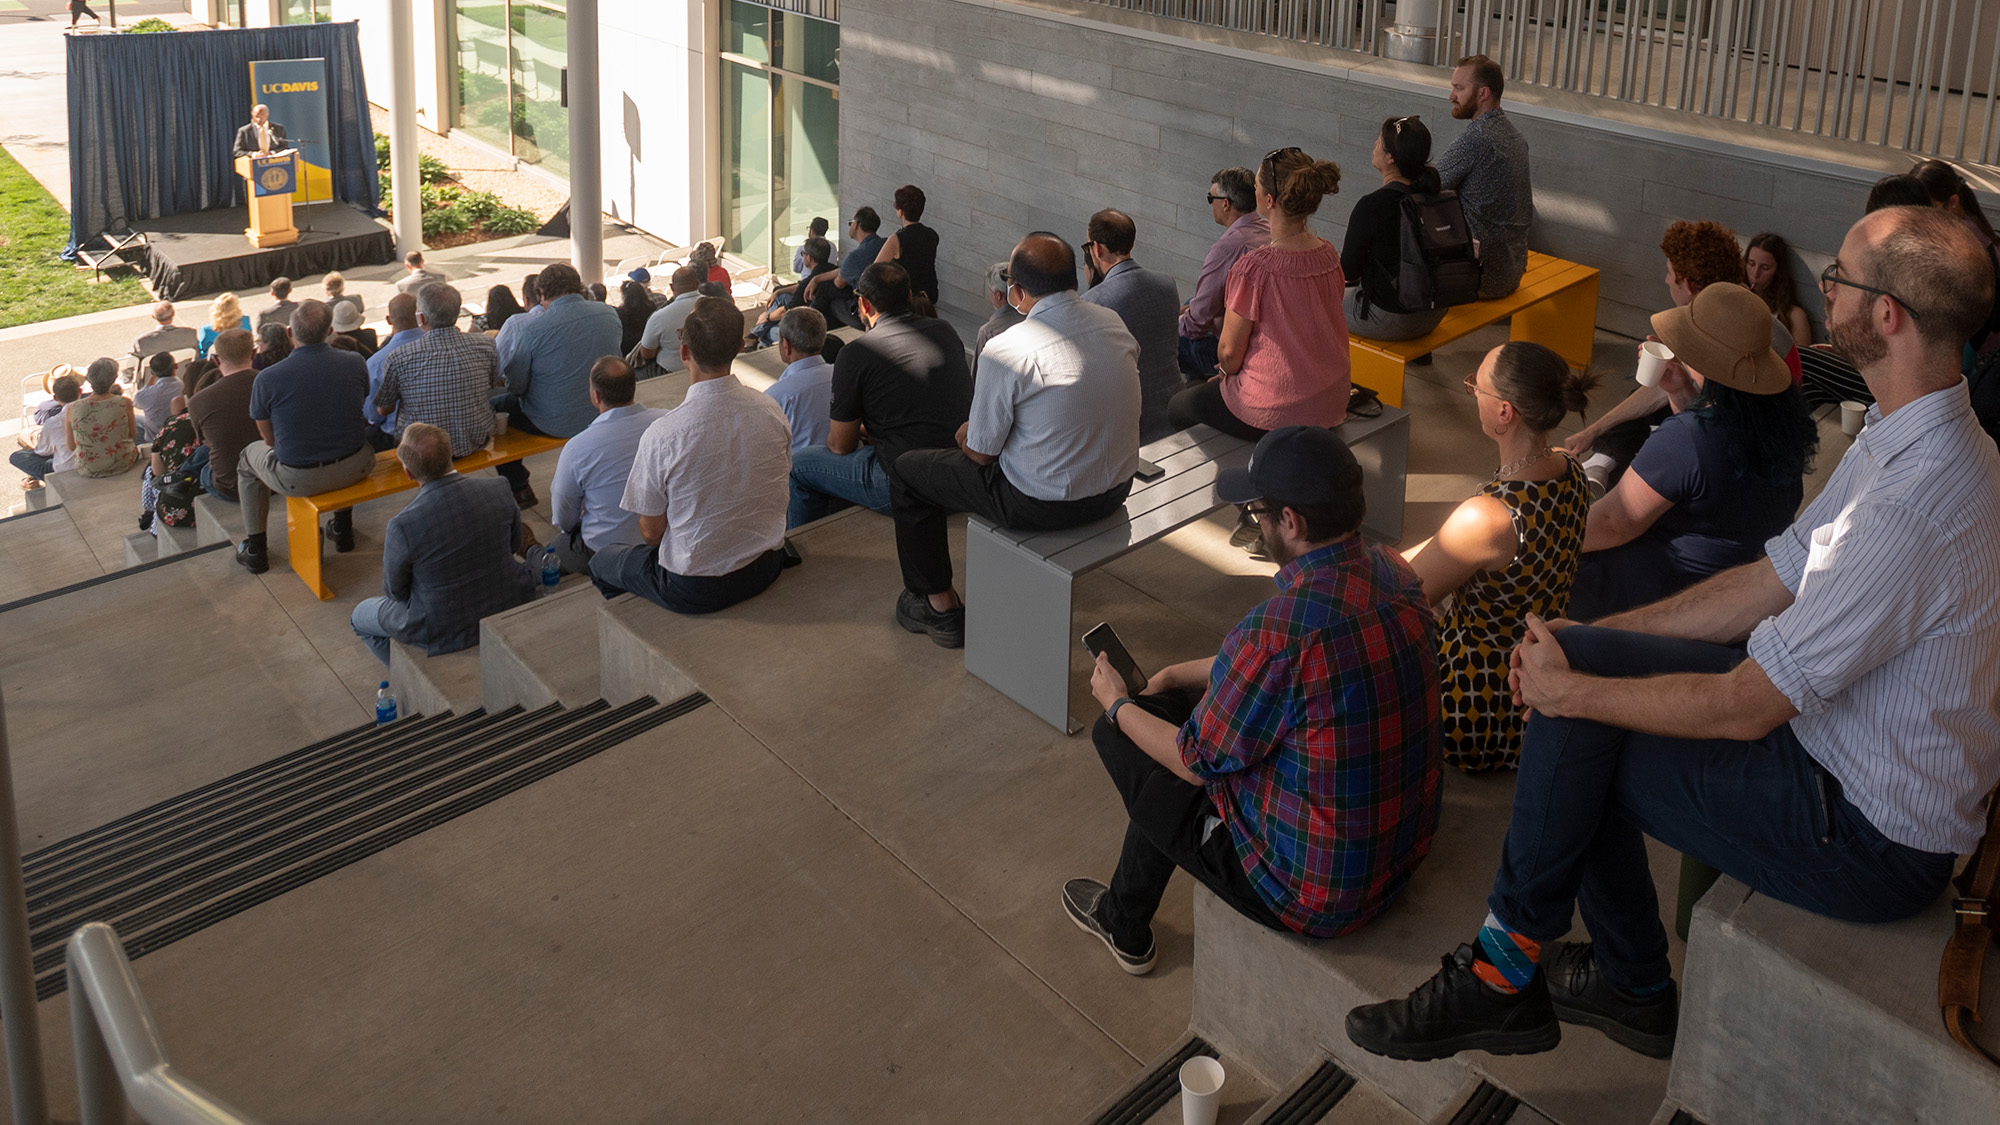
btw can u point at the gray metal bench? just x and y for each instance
(1018, 630)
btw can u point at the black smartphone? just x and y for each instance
(1103, 640)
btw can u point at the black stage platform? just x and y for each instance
(207, 252)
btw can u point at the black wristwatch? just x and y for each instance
(1111, 712)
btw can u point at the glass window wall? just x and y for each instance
(512, 64)
(306, 11)
(781, 131)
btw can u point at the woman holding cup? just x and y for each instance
(1716, 479)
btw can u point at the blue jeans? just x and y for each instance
(637, 570)
(1761, 811)
(38, 466)
(824, 482)
(375, 621)
(1198, 358)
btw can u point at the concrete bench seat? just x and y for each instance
(1790, 1017)
(1555, 306)
(432, 685)
(1018, 583)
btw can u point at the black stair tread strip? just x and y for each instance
(147, 907)
(1315, 1097)
(41, 511)
(227, 827)
(645, 714)
(330, 813)
(113, 576)
(139, 833)
(344, 741)
(1156, 1089)
(1488, 1105)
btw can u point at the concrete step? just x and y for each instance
(1152, 1095)
(104, 509)
(432, 685)
(544, 652)
(220, 517)
(165, 542)
(1790, 1017)
(41, 550)
(1279, 1002)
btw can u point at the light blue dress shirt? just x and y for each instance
(805, 393)
(375, 362)
(551, 361)
(590, 477)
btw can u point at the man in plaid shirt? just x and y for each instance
(1295, 774)
(445, 378)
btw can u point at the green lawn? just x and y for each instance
(35, 283)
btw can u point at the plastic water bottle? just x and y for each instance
(551, 572)
(385, 705)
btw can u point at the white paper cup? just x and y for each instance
(1201, 1090)
(499, 422)
(1853, 415)
(1653, 357)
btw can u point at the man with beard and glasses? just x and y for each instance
(1818, 723)
(1488, 167)
(1296, 773)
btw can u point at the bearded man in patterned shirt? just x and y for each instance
(1296, 773)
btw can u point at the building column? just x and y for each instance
(404, 186)
(586, 145)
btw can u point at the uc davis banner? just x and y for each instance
(296, 90)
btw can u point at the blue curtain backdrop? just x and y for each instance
(152, 119)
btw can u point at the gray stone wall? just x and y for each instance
(1014, 118)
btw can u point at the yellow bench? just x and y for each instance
(386, 479)
(1556, 306)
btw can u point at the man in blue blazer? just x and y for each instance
(1149, 303)
(448, 559)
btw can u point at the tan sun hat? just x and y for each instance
(1725, 334)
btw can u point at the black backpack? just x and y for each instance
(1439, 268)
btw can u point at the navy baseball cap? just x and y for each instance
(1295, 464)
(642, 275)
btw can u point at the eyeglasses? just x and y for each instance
(1473, 389)
(1286, 151)
(1213, 198)
(1830, 277)
(1259, 511)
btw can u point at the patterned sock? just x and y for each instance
(1649, 990)
(1503, 959)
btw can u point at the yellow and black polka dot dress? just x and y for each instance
(1486, 617)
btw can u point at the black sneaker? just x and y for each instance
(341, 536)
(945, 626)
(1581, 995)
(1455, 1011)
(1081, 898)
(254, 561)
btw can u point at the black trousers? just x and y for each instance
(1201, 403)
(1169, 827)
(837, 305)
(927, 485)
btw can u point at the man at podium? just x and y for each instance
(261, 136)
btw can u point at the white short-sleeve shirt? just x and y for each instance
(1057, 400)
(719, 467)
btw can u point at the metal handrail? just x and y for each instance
(119, 1056)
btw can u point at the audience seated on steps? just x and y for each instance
(1232, 203)
(403, 330)
(1148, 301)
(914, 246)
(1837, 763)
(1296, 773)
(591, 473)
(813, 256)
(501, 307)
(337, 294)
(902, 386)
(1487, 165)
(419, 274)
(1005, 315)
(548, 371)
(1509, 551)
(101, 426)
(1283, 346)
(165, 336)
(635, 307)
(832, 291)
(48, 450)
(282, 306)
(347, 323)
(312, 437)
(506, 333)
(449, 557)
(274, 343)
(1720, 476)
(224, 313)
(153, 397)
(804, 389)
(708, 484)
(1698, 255)
(1052, 442)
(166, 493)
(659, 345)
(443, 378)
(1371, 256)
(220, 412)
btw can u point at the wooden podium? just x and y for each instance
(269, 182)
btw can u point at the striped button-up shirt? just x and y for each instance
(1318, 738)
(444, 378)
(1891, 649)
